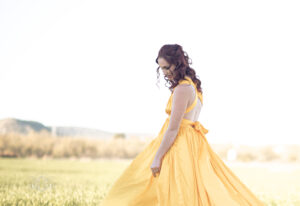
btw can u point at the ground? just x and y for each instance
(86, 181)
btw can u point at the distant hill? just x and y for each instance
(21, 126)
(80, 132)
(25, 127)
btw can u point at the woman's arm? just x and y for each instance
(182, 94)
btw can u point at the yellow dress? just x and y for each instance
(191, 174)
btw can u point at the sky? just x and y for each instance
(92, 64)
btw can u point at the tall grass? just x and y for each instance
(43, 145)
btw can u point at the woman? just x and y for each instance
(178, 167)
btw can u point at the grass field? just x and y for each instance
(85, 182)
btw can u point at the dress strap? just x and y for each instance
(192, 105)
(190, 81)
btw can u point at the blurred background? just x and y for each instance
(78, 78)
(72, 68)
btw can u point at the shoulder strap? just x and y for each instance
(189, 81)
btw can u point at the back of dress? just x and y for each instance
(193, 111)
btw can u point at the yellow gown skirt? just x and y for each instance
(191, 174)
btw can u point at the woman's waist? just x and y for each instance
(195, 124)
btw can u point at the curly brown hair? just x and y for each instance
(174, 54)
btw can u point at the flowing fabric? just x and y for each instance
(191, 174)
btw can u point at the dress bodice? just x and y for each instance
(187, 80)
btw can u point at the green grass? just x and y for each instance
(76, 182)
(56, 182)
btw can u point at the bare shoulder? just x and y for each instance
(184, 90)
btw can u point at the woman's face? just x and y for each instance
(166, 67)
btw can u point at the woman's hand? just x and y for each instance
(156, 165)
